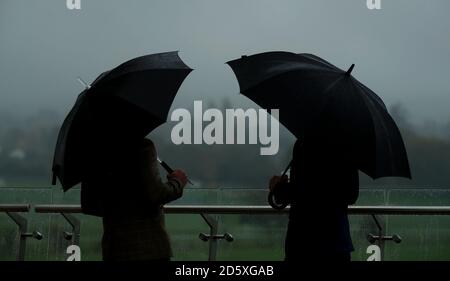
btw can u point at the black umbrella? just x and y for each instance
(125, 103)
(317, 100)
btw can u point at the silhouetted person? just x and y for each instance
(125, 188)
(323, 182)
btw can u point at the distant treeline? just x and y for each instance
(27, 144)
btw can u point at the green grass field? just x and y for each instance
(256, 237)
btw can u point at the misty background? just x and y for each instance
(402, 52)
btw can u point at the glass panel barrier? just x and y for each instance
(256, 236)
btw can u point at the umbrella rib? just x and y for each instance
(375, 111)
(109, 77)
(376, 104)
(321, 61)
(371, 95)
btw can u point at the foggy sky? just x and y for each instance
(401, 52)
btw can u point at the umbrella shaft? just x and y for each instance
(166, 167)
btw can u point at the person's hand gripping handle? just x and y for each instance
(169, 170)
(274, 181)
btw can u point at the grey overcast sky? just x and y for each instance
(402, 52)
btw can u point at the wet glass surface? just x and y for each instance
(256, 237)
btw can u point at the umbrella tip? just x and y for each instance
(86, 85)
(349, 71)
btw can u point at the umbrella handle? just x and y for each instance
(169, 169)
(270, 197)
(273, 204)
(166, 167)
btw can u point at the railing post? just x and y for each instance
(381, 238)
(75, 224)
(380, 234)
(213, 224)
(22, 223)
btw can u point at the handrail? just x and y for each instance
(400, 210)
(14, 208)
(58, 209)
(208, 213)
(248, 209)
(362, 187)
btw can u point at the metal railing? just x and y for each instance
(14, 213)
(261, 210)
(207, 212)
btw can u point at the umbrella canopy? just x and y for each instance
(123, 104)
(67, 156)
(318, 101)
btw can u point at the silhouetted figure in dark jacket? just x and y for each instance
(125, 188)
(323, 182)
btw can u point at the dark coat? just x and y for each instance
(129, 195)
(323, 182)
